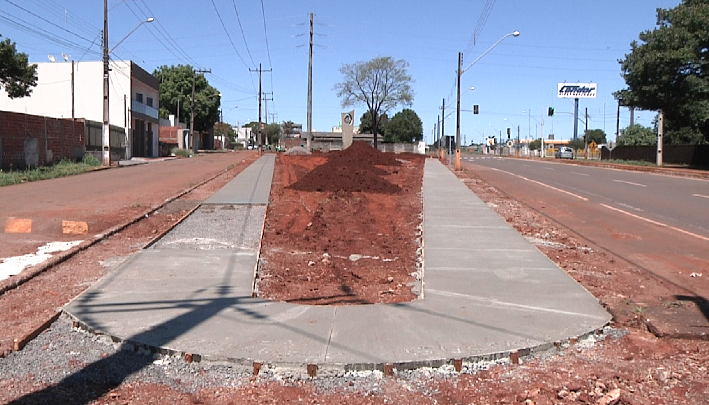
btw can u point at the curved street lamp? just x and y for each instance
(460, 73)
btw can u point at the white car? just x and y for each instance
(564, 152)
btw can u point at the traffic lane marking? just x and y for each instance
(660, 224)
(23, 225)
(18, 225)
(701, 196)
(75, 227)
(631, 183)
(542, 184)
(581, 174)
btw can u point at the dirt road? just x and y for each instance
(100, 199)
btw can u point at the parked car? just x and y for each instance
(564, 152)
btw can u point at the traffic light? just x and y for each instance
(475, 109)
(551, 111)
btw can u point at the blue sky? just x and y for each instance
(560, 41)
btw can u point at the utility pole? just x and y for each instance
(310, 85)
(195, 139)
(457, 118)
(660, 134)
(265, 108)
(519, 151)
(585, 138)
(260, 94)
(576, 118)
(443, 127)
(632, 115)
(106, 133)
(542, 152)
(617, 124)
(438, 132)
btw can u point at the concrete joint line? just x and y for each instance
(497, 303)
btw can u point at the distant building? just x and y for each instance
(75, 90)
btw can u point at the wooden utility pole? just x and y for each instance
(310, 85)
(617, 124)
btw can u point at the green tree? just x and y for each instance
(273, 132)
(17, 76)
(535, 144)
(381, 84)
(287, 128)
(404, 126)
(366, 125)
(637, 134)
(669, 70)
(224, 129)
(176, 85)
(595, 135)
(576, 144)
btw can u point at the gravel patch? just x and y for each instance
(74, 357)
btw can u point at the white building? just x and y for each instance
(75, 90)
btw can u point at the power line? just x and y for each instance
(242, 33)
(263, 13)
(228, 35)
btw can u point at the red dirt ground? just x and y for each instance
(639, 367)
(326, 208)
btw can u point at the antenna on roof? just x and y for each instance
(66, 57)
(52, 58)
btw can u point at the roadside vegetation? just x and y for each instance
(181, 152)
(62, 169)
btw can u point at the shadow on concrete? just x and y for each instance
(701, 303)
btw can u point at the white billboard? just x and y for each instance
(577, 90)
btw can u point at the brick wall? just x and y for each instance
(30, 140)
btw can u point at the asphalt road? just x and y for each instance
(658, 222)
(33, 214)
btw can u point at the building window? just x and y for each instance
(149, 101)
(139, 97)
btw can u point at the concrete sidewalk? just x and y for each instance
(487, 291)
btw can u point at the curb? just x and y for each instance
(512, 357)
(32, 272)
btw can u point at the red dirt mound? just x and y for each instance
(351, 170)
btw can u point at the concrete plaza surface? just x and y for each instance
(487, 291)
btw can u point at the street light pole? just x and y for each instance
(457, 116)
(460, 73)
(106, 128)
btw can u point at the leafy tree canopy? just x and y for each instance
(288, 128)
(272, 131)
(176, 84)
(381, 84)
(366, 125)
(535, 144)
(636, 135)
(577, 144)
(17, 76)
(669, 70)
(595, 135)
(405, 126)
